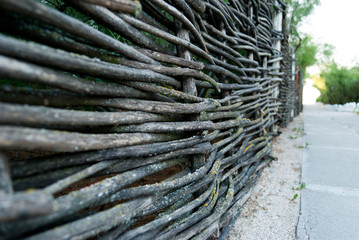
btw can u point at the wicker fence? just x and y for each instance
(145, 119)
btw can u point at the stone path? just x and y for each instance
(330, 201)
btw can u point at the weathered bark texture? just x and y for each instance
(21, 206)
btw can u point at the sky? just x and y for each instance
(336, 23)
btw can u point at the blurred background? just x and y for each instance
(326, 42)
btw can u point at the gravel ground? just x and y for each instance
(272, 210)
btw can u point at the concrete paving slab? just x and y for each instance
(324, 127)
(341, 139)
(330, 201)
(319, 119)
(328, 216)
(332, 167)
(330, 128)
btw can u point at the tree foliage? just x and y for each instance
(307, 53)
(306, 49)
(325, 53)
(341, 84)
(298, 11)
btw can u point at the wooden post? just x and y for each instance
(188, 84)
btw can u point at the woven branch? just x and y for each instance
(137, 119)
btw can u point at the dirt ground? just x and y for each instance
(272, 210)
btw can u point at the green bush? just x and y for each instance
(341, 85)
